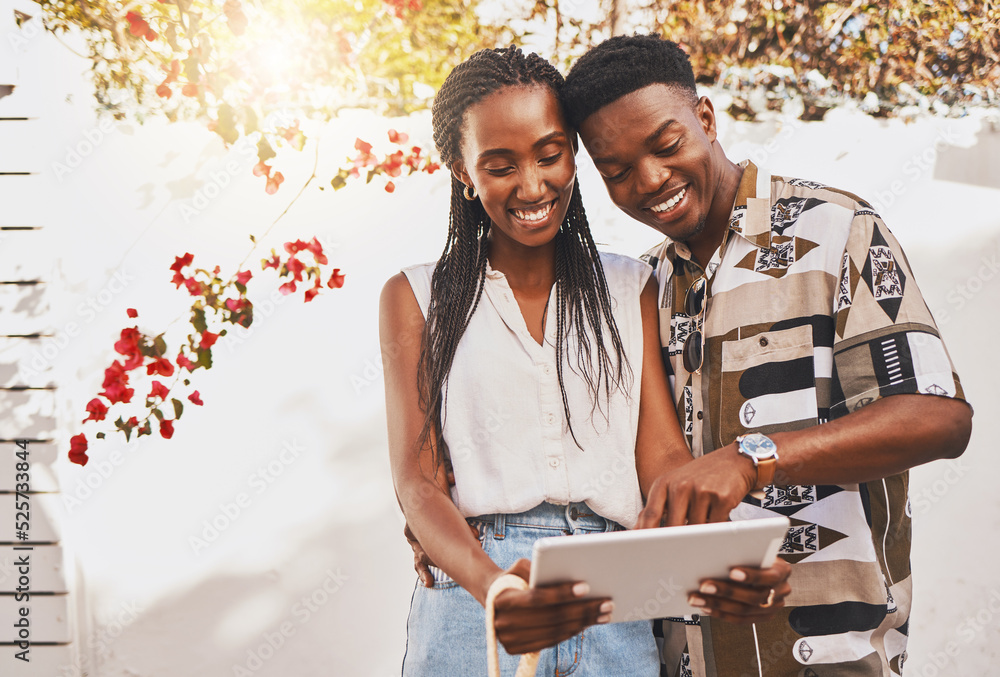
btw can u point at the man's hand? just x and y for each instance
(535, 619)
(750, 595)
(700, 491)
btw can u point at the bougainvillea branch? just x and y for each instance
(145, 361)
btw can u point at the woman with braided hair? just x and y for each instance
(518, 361)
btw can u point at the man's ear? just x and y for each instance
(459, 171)
(705, 112)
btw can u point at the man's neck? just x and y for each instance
(727, 184)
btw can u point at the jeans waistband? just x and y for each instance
(566, 518)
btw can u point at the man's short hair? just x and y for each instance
(620, 66)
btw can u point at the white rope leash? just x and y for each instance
(529, 661)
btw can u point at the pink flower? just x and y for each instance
(132, 312)
(243, 277)
(161, 366)
(336, 279)
(195, 398)
(208, 339)
(166, 429)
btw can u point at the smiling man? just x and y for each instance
(808, 373)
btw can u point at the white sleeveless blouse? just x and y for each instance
(504, 423)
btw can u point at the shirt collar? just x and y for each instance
(750, 217)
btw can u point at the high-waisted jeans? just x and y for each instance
(446, 631)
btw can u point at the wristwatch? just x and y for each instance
(762, 450)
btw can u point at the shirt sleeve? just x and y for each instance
(886, 342)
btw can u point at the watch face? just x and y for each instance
(758, 445)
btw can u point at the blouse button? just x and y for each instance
(547, 370)
(763, 341)
(554, 462)
(550, 418)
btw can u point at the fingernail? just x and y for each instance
(604, 619)
(738, 575)
(696, 601)
(607, 607)
(581, 589)
(706, 612)
(707, 588)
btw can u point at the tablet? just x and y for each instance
(648, 573)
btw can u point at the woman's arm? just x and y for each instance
(421, 485)
(526, 620)
(660, 445)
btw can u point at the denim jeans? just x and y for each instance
(446, 631)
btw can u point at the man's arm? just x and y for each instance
(886, 437)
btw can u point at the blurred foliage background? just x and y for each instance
(233, 63)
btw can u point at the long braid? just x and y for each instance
(582, 296)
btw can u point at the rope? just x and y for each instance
(529, 661)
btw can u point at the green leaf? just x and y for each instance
(160, 345)
(198, 319)
(264, 150)
(178, 407)
(250, 124)
(158, 414)
(226, 127)
(187, 382)
(253, 239)
(205, 358)
(99, 436)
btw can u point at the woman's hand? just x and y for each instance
(750, 595)
(535, 619)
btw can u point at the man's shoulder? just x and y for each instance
(785, 188)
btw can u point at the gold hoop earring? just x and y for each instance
(470, 196)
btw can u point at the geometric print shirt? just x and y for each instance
(812, 312)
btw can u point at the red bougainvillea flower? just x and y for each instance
(295, 247)
(235, 17)
(132, 312)
(393, 164)
(432, 167)
(78, 449)
(336, 279)
(287, 288)
(194, 287)
(317, 250)
(190, 89)
(161, 366)
(243, 277)
(273, 262)
(97, 410)
(237, 305)
(398, 137)
(182, 261)
(166, 429)
(363, 146)
(262, 169)
(164, 91)
(129, 342)
(116, 384)
(159, 390)
(273, 182)
(208, 339)
(390, 187)
(295, 267)
(312, 291)
(185, 363)
(195, 398)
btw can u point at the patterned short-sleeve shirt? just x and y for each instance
(812, 313)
